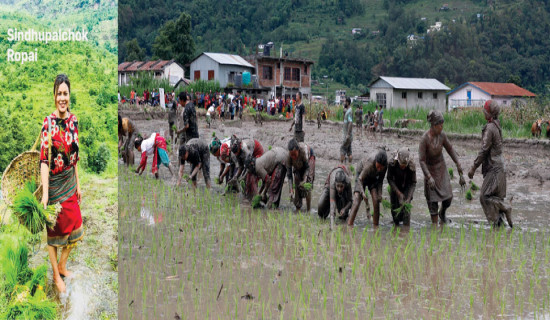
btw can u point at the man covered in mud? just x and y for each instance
(437, 182)
(402, 181)
(271, 168)
(493, 190)
(241, 150)
(370, 174)
(190, 128)
(302, 169)
(299, 116)
(155, 145)
(359, 119)
(345, 148)
(336, 199)
(127, 132)
(195, 151)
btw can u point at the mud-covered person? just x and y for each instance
(155, 145)
(190, 129)
(195, 151)
(402, 180)
(172, 118)
(240, 151)
(336, 198)
(359, 119)
(437, 182)
(301, 172)
(370, 174)
(222, 151)
(127, 132)
(271, 168)
(299, 116)
(493, 190)
(345, 148)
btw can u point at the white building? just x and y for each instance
(224, 68)
(340, 97)
(408, 93)
(474, 94)
(160, 69)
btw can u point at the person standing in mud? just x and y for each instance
(271, 168)
(359, 119)
(437, 182)
(336, 199)
(172, 117)
(195, 151)
(302, 167)
(155, 145)
(493, 190)
(402, 181)
(127, 132)
(299, 116)
(370, 174)
(345, 149)
(190, 129)
(240, 150)
(59, 154)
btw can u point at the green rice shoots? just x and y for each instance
(469, 194)
(256, 201)
(451, 173)
(474, 186)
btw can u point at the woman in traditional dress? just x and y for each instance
(155, 145)
(437, 182)
(59, 177)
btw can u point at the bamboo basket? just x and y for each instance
(21, 169)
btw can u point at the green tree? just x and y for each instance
(133, 50)
(175, 41)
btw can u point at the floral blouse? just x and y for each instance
(64, 143)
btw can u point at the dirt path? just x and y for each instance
(527, 173)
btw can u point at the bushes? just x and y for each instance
(97, 159)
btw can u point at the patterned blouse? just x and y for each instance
(64, 143)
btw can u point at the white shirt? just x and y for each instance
(148, 144)
(210, 111)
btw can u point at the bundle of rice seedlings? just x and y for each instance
(213, 134)
(352, 169)
(269, 148)
(474, 186)
(308, 186)
(406, 206)
(469, 194)
(451, 173)
(217, 180)
(386, 204)
(27, 209)
(32, 308)
(389, 189)
(256, 201)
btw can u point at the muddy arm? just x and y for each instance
(452, 153)
(486, 144)
(422, 160)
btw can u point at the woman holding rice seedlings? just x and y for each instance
(241, 150)
(336, 198)
(195, 151)
(271, 168)
(402, 181)
(370, 174)
(221, 149)
(59, 154)
(437, 183)
(302, 166)
(155, 145)
(127, 132)
(493, 190)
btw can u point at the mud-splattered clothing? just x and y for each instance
(189, 118)
(273, 164)
(368, 177)
(345, 148)
(404, 181)
(331, 201)
(303, 169)
(493, 190)
(198, 154)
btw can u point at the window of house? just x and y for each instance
(435, 95)
(287, 74)
(420, 95)
(197, 75)
(403, 95)
(381, 99)
(267, 73)
(305, 68)
(296, 74)
(210, 75)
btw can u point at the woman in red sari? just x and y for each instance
(59, 176)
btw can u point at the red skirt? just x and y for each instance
(68, 228)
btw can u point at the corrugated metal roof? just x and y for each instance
(414, 83)
(134, 66)
(503, 89)
(231, 59)
(123, 65)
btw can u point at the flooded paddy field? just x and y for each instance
(200, 254)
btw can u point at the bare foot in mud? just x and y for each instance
(60, 284)
(64, 272)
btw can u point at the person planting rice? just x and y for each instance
(345, 149)
(437, 183)
(302, 166)
(402, 181)
(271, 168)
(59, 154)
(370, 174)
(222, 151)
(127, 132)
(190, 129)
(493, 190)
(195, 151)
(154, 145)
(299, 117)
(240, 150)
(336, 199)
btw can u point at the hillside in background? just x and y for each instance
(481, 40)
